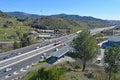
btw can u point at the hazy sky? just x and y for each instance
(105, 9)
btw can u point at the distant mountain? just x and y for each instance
(80, 18)
(84, 21)
(23, 15)
(114, 22)
(71, 17)
(60, 23)
(64, 22)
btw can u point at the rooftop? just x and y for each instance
(114, 39)
(60, 52)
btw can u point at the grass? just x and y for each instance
(75, 29)
(30, 74)
(10, 33)
(92, 72)
(75, 76)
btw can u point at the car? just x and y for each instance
(40, 45)
(8, 69)
(99, 60)
(56, 49)
(14, 53)
(44, 54)
(6, 57)
(37, 47)
(7, 76)
(42, 58)
(33, 64)
(19, 53)
(23, 70)
(57, 43)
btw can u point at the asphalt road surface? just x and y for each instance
(21, 58)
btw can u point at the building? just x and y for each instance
(58, 54)
(44, 31)
(44, 35)
(113, 40)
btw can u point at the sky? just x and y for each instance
(104, 9)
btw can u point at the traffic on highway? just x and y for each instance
(15, 62)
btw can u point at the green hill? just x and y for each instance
(71, 17)
(80, 18)
(61, 23)
(9, 24)
(10, 27)
(4, 15)
(51, 23)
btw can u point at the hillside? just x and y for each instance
(4, 15)
(71, 17)
(114, 22)
(51, 23)
(22, 15)
(48, 22)
(80, 18)
(61, 23)
(10, 27)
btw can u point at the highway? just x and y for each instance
(32, 55)
(25, 57)
(23, 65)
(16, 52)
(14, 60)
(98, 30)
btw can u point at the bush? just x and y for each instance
(89, 75)
(54, 73)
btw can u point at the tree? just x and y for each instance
(112, 58)
(29, 40)
(85, 47)
(25, 40)
(16, 45)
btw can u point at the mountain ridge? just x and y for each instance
(69, 16)
(22, 14)
(25, 15)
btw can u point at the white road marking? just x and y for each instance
(2, 67)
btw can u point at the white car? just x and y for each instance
(8, 69)
(99, 60)
(7, 76)
(56, 49)
(37, 47)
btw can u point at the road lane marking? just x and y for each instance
(29, 57)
